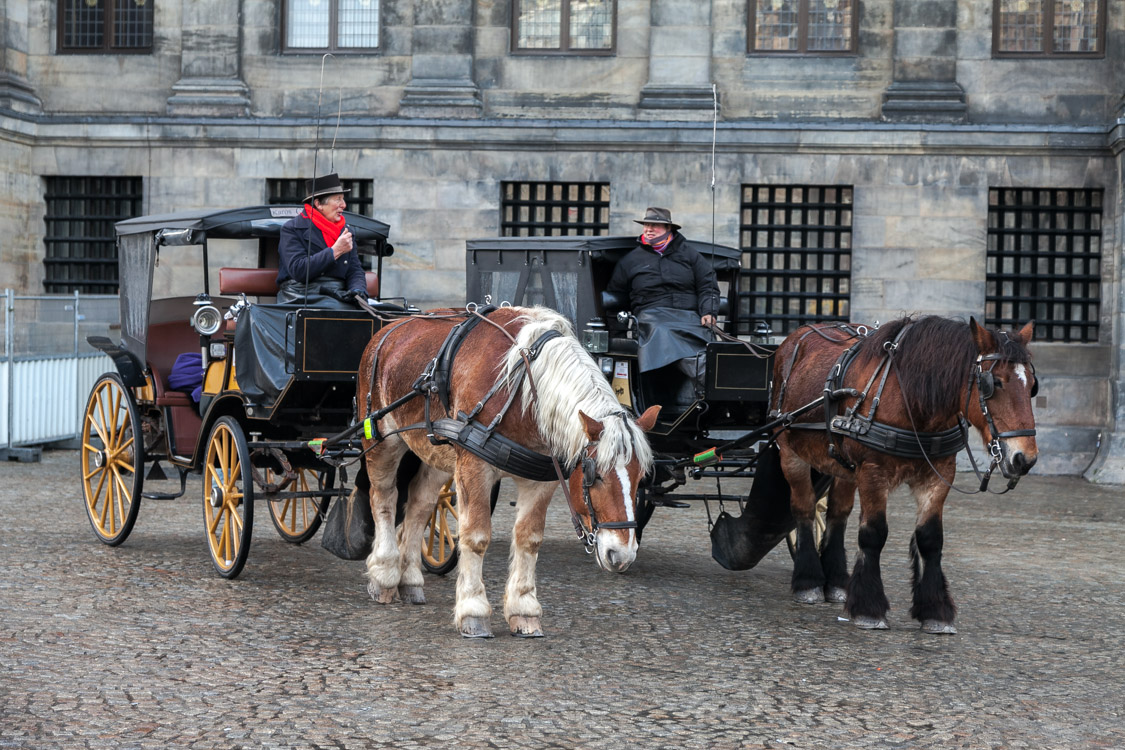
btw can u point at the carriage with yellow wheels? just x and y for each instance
(196, 295)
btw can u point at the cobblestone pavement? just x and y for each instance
(143, 646)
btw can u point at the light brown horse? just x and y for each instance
(572, 415)
(926, 376)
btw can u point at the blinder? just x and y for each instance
(987, 382)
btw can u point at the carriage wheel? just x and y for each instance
(112, 458)
(297, 519)
(439, 538)
(228, 497)
(820, 523)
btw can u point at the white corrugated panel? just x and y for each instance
(49, 397)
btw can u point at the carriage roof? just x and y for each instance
(196, 226)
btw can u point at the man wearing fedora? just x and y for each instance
(318, 262)
(671, 290)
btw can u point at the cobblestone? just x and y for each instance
(143, 646)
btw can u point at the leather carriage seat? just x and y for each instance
(613, 302)
(262, 282)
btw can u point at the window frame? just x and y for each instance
(91, 191)
(1035, 237)
(802, 34)
(599, 227)
(779, 281)
(108, 33)
(333, 30)
(564, 35)
(1048, 36)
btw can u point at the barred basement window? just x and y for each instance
(812, 27)
(548, 209)
(80, 239)
(336, 25)
(1043, 261)
(1048, 28)
(107, 26)
(360, 200)
(570, 26)
(797, 259)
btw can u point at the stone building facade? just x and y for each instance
(922, 123)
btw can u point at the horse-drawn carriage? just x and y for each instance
(248, 426)
(291, 396)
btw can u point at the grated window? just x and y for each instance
(548, 209)
(571, 26)
(1044, 262)
(797, 243)
(337, 25)
(1048, 28)
(813, 27)
(80, 240)
(106, 26)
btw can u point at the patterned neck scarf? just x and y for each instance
(660, 243)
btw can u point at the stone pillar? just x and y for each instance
(16, 92)
(442, 62)
(679, 62)
(925, 87)
(1108, 466)
(210, 72)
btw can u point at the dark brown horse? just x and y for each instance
(897, 402)
(572, 415)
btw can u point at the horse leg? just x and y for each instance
(474, 528)
(833, 557)
(933, 606)
(420, 506)
(383, 569)
(867, 603)
(808, 577)
(521, 604)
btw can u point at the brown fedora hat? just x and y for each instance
(328, 184)
(657, 216)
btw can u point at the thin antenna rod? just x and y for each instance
(714, 135)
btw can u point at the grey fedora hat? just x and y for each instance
(655, 215)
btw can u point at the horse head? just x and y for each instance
(606, 479)
(1002, 383)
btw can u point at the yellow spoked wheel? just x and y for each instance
(297, 519)
(112, 457)
(820, 523)
(439, 540)
(228, 497)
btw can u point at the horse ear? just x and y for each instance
(981, 337)
(592, 426)
(648, 419)
(1026, 333)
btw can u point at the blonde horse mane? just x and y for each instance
(568, 380)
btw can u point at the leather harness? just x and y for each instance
(864, 429)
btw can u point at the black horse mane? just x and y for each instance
(933, 359)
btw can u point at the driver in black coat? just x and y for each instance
(318, 246)
(672, 291)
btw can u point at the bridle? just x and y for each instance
(986, 385)
(590, 476)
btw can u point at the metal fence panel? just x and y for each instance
(48, 369)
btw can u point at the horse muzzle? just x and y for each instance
(613, 554)
(1017, 455)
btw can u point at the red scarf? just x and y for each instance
(330, 231)
(661, 242)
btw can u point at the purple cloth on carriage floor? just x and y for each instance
(187, 375)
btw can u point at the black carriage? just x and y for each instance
(722, 433)
(275, 379)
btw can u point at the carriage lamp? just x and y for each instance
(595, 338)
(762, 332)
(207, 320)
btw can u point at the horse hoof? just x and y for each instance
(870, 623)
(525, 627)
(808, 596)
(938, 627)
(835, 595)
(412, 594)
(381, 595)
(475, 627)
